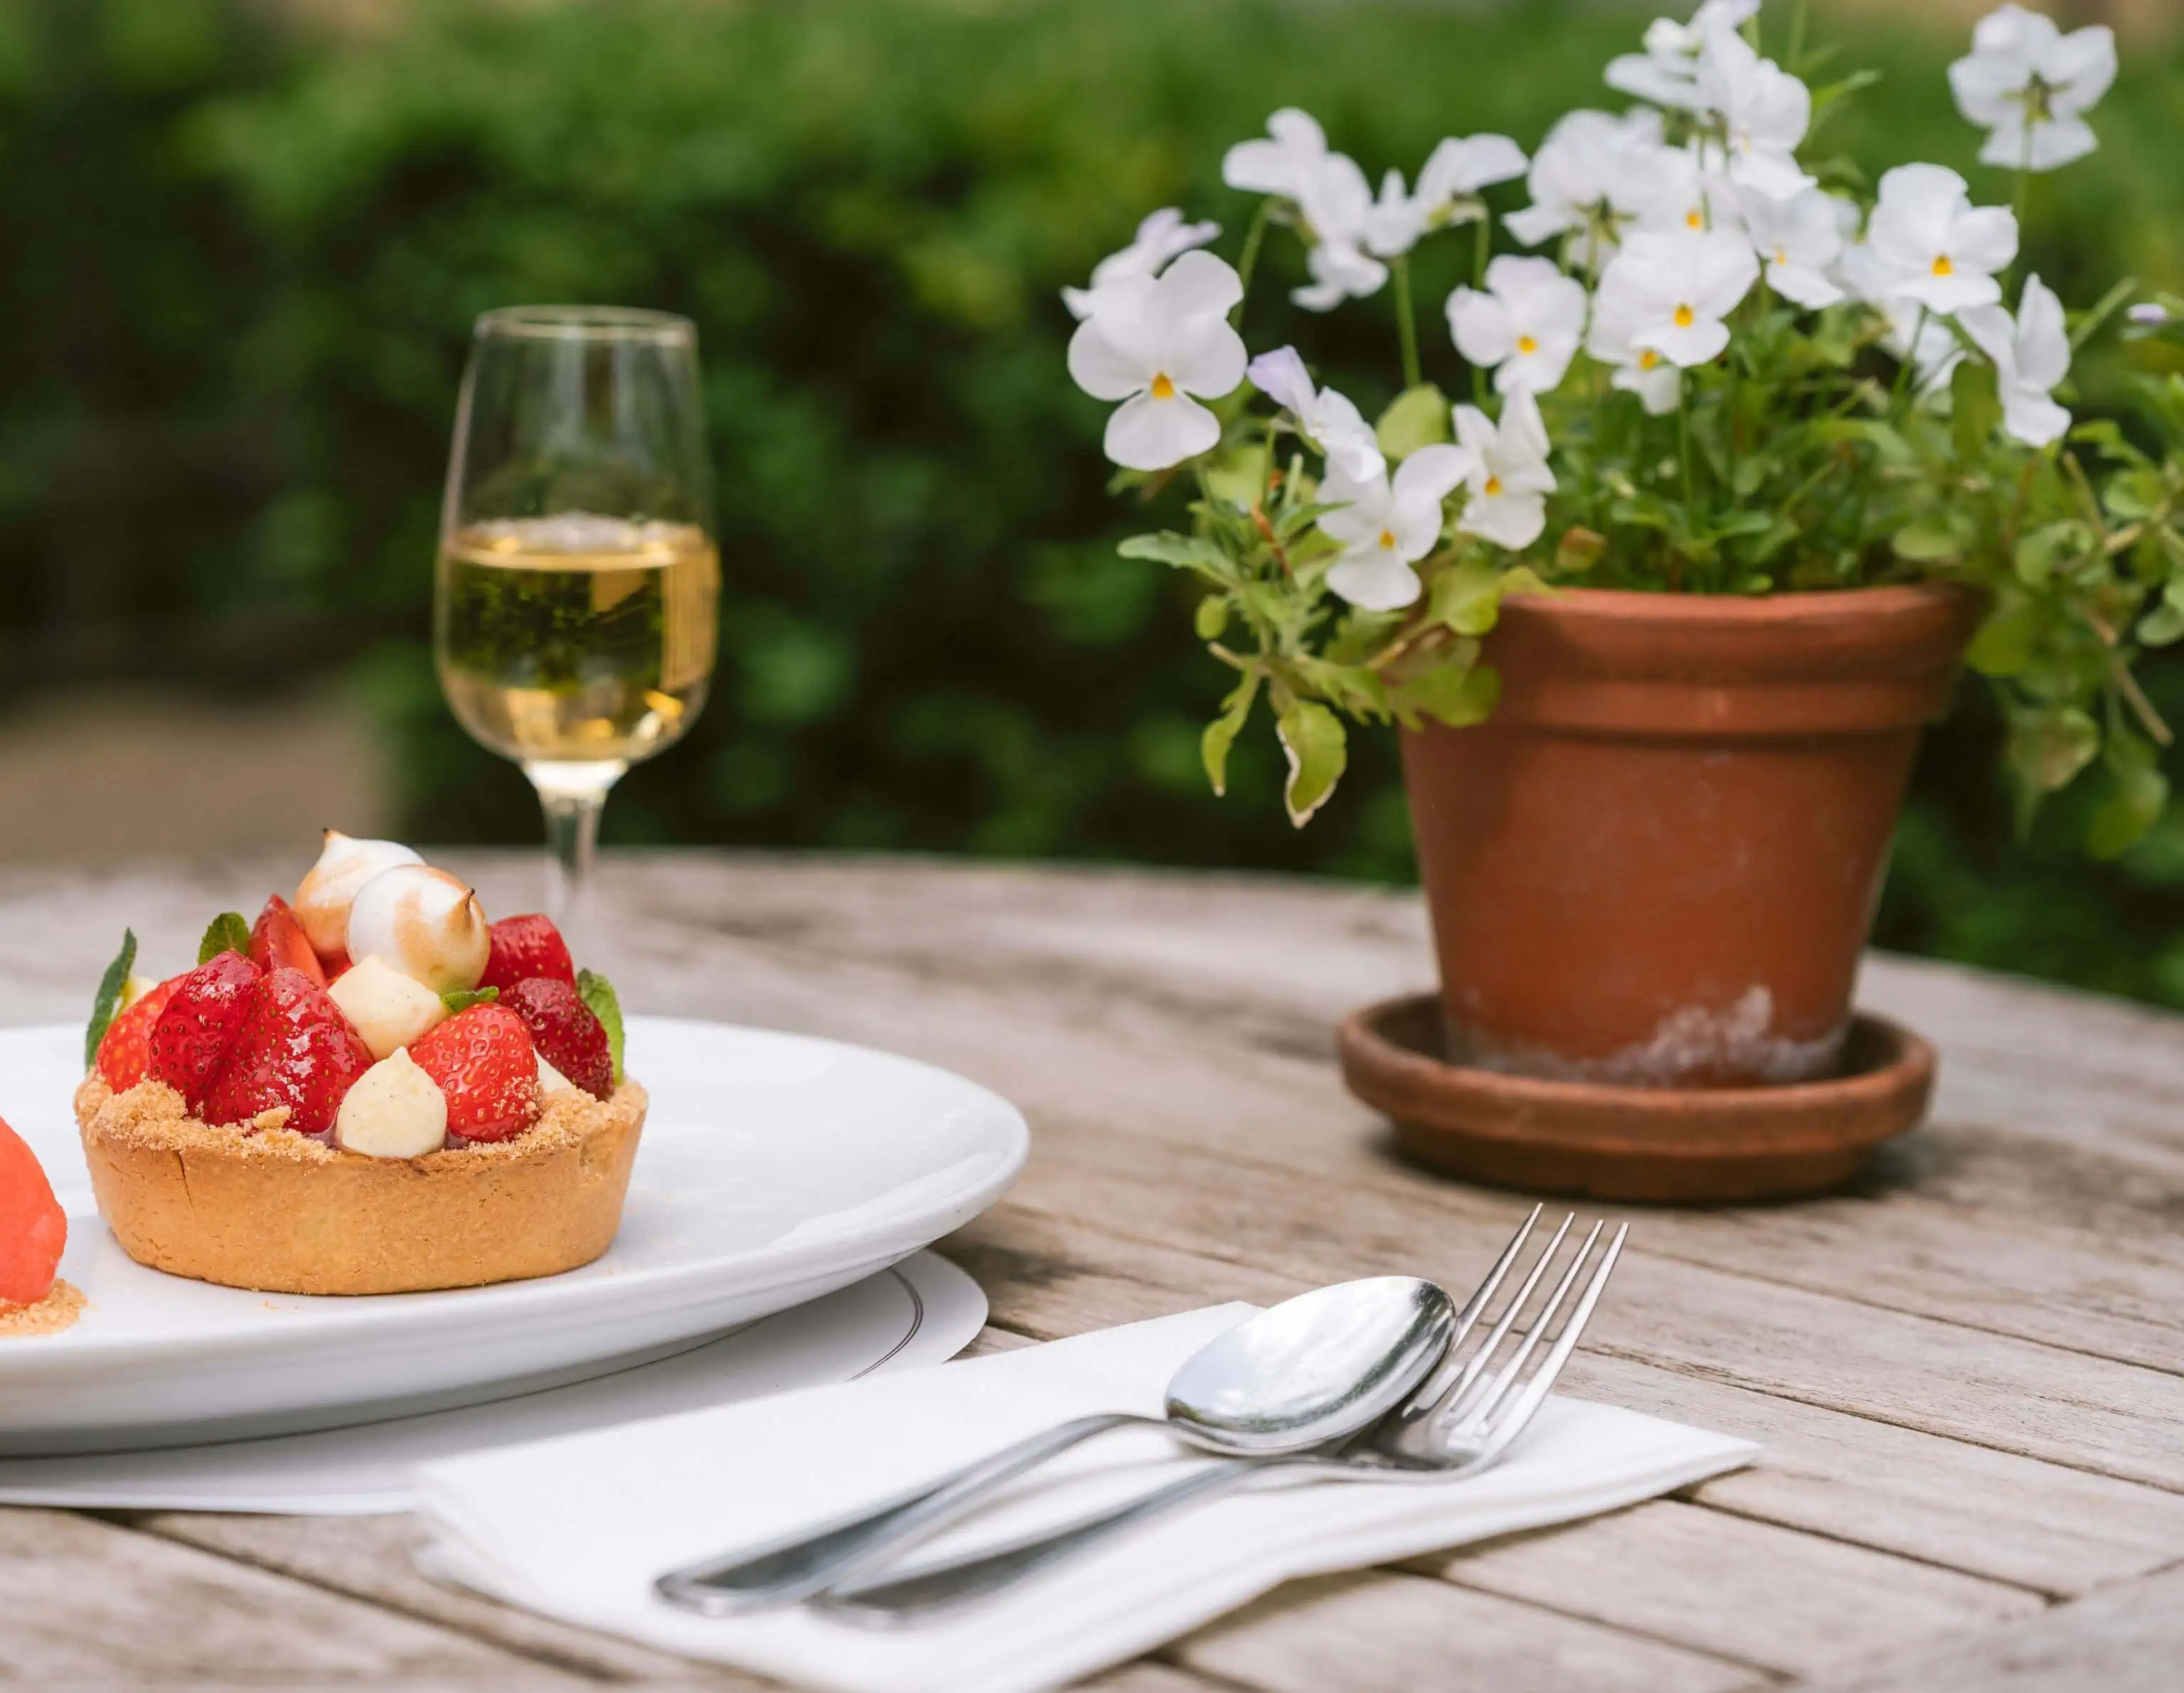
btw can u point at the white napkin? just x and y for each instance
(579, 1528)
(922, 1311)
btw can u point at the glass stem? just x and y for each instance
(572, 795)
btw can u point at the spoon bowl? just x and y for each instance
(1311, 1370)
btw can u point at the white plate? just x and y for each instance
(774, 1168)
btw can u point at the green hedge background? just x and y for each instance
(244, 255)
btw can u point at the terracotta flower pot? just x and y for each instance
(1657, 862)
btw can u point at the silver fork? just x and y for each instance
(1461, 1422)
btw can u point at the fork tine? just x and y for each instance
(1439, 1384)
(1422, 1408)
(1483, 1405)
(1513, 1421)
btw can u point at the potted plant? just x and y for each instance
(1746, 466)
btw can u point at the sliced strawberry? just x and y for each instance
(192, 1035)
(566, 1034)
(295, 1049)
(524, 947)
(277, 938)
(125, 1052)
(33, 1228)
(483, 1060)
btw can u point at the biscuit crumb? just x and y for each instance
(57, 1310)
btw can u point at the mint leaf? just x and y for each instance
(464, 998)
(598, 994)
(109, 997)
(228, 933)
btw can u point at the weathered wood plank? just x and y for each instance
(2126, 1639)
(95, 1603)
(1391, 1633)
(1760, 1595)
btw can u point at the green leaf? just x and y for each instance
(107, 1000)
(2162, 625)
(1452, 693)
(1318, 751)
(1211, 617)
(1466, 598)
(1928, 540)
(2047, 748)
(2005, 642)
(464, 998)
(1578, 551)
(1185, 552)
(1221, 733)
(1418, 417)
(2042, 552)
(2137, 793)
(598, 993)
(228, 933)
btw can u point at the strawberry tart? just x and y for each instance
(369, 1090)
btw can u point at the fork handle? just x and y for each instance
(781, 1575)
(919, 1598)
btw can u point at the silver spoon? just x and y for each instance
(1311, 1371)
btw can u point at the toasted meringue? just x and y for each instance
(425, 923)
(324, 894)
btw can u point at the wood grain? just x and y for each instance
(1968, 1369)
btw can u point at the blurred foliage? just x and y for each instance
(244, 257)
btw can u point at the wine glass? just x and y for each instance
(575, 603)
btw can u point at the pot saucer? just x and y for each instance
(1665, 1144)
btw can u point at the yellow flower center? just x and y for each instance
(1944, 265)
(1694, 218)
(1780, 257)
(1647, 359)
(1163, 389)
(1686, 317)
(1493, 485)
(1388, 539)
(1525, 343)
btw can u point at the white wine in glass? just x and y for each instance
(576, 600)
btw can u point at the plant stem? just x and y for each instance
(1684, 449)
(1795, 55)
(1482, 248)
(1405, 322)
(1254, 237)
(1910, 362)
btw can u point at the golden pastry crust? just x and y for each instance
(58, 1311)
(253, 1206)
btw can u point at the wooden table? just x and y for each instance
(1969, 1372)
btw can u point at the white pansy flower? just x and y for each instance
(1323, 417)
(1763, 111)
(1929, 244)
(1385, 525)
(2030, 356)
(1458, 169)
(1799, 240)
(1690, 190)
(1152, 344)
(1667, 72)
(1336, 204)
(1525, 326)
(1505, 471)
(1395, 221)
(1672, 288)
(1639, 371)
(1161, 237)
(1594, 173)
(2029, 85)
(1282, 163)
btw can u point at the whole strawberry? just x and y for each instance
(125, 1052)
(277, 938)
(484, 1062)
(294, 1049)
(567, 1035)
(193, 1033)
(524, 947)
